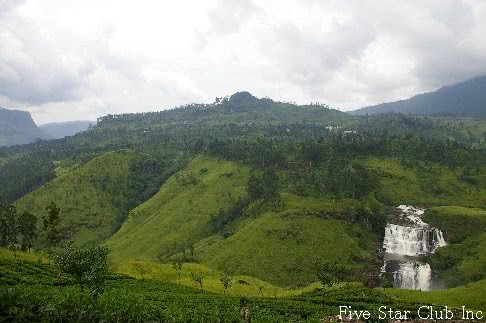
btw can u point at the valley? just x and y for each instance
(292, 209)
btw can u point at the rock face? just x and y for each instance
(17, 128)
(404, 243)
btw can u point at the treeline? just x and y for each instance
(22, 230)
(283, 145)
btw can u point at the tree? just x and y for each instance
(8, 227)
(263, 186)
(271, 185)
(226, 281)
(51, 223)
(254, 186)
(177, 265)
(330, 272)
(260, 288)
(198, 279)
(27, 230)
(88, 266)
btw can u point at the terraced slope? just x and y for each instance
(90, 197)
(178, 215)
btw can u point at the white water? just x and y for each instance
(404, 243)
(413, 275)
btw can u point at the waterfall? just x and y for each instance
(404, 243)
(413, 275)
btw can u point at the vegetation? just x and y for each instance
(93, 200)
(463, 260)
(207, 203)
(59, 297)
(88, 266)
(178, 215)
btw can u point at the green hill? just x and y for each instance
(240, 108)
(90, 197)
(285, 246)
(428, 183)
(178, 214)
(463, 260)
(282, 246)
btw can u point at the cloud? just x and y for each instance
(230, 15)
(65, 60)
(7, 5)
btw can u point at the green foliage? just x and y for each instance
(177, 265)
(198, 279)
(179, 214)
(51, 222)
(463, 260)
(282, 246)
(30, 292)
(226, 282)
(331, 272)
(88, 266)
(263, 186)
(23, 174)
(424, 183)
(8, 225)
(27, 230)
(95, 198)
(226, 217)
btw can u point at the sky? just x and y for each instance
(78, 60)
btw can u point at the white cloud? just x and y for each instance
(65, 60)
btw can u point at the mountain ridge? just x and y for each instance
(463, 99)
(59, 130)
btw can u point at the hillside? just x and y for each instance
(466, 99)
(463, 260)
(282, 247)
(91, 197)
(428, 183)
(285, 246)
(63, 129)
(239, 108)
(17, 128)
(177, 216)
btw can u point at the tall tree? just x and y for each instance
(27, 230)
(8, 229)
(51, 223)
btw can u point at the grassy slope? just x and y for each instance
(88, 197)
(178, 214)
(241, 285)
(464, 260)
(284, 246)
(280, 247)
(471, 296)
(426, 184)
(34, 292)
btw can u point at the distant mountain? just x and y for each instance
(17, 127)
(466, 99)
(63, 129)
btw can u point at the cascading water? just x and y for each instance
(404, 243)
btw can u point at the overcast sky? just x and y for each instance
(71, 60)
